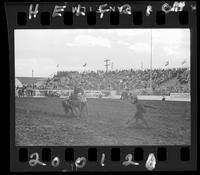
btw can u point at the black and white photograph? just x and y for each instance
(102, 87)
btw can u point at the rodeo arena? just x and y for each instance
(111, 107)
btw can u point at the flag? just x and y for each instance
(167, 63)
(183, 62)
(85, 65)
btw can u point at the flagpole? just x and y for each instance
(84, 67)
(57, 68)
(142, 65)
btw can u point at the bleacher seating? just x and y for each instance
(124, 79)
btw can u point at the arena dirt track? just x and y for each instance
(42, 121)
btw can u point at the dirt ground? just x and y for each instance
(42, 122)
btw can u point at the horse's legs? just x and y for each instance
(81, 109)
(71, 109)
(128, 121)
(66, 108)
(72, 112)
(86, 105)
(75, 110)
(144, 121)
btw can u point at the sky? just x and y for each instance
(48, 51)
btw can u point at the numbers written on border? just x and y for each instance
(129, 161)
(34, 160)
(81, 161)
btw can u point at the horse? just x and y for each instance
(76, 101)
(124, 96)
(67, 107)
(79, 101)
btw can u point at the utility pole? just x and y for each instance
(151, 63)
(32, 77)
(106, 60)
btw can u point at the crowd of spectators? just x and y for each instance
(124, 79)
(26, 90)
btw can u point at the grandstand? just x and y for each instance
(164, 81)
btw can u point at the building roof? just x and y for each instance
(18, 83)
(30, 80)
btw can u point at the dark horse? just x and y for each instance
(74, 103)
(124, 96)
(67, 106)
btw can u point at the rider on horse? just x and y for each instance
(80, 94)
(77, 99)
(77, 92)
